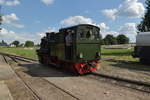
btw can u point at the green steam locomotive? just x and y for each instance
(76, 48)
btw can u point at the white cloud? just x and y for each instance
(9, 36)
(103, 26)
(9, 2)
(129, 29)
(129, 8)
(104, 33)
(49, 29)
(47, 2)
(74, 20)
(17, 25)
(9, 19)
(104, 30)
(110, 13)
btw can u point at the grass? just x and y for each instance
(26, 52)
(119, 54)
(122, 58)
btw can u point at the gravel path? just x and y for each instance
(81, 87)
(129, 70)
(12, 86)
(41, 87)
(51, 84)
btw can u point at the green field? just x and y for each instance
(26, 52)
(118, 54)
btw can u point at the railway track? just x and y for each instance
(14, 57)
(133, 84)
(36, 96)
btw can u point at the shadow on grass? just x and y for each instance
(132, 65)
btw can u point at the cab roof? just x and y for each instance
(79, 25)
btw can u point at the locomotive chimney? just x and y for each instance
(47, 35)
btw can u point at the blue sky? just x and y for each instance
(29, 19)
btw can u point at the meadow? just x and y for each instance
(20, 51)
(117, 54)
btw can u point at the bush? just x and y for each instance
(29, 44)
(110, 40)
(122, 39)
(16, 43)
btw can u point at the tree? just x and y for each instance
(3, 43)
(21, 45)
(145, 23)
(110, 40)
(102, 42)
(16, 43)
(122, 39)
(29, 43)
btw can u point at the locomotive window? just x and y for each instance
(90, 33)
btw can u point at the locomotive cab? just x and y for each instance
(85, 43)
(88, 43)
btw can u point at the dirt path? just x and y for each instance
(12, 87)
(41, 87)
(80, 87)
(129, 70)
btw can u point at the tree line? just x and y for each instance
(111, 40)
(16, 43)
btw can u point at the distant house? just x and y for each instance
(2, 43)
(12, 45)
